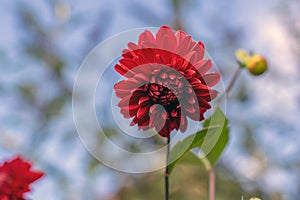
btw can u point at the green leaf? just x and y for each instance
(191, 158)
(212, 140)
(215, 143)
(183, 147)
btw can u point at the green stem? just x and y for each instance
(167, 171)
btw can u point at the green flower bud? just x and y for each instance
(256, 64)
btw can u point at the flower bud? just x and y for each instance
(242, 57)
(256, 64)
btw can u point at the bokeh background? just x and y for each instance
(43, 43)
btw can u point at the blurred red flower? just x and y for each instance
(15, 178)
(167, 81)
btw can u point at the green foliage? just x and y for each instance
(182, 148)
(220, 136)
(212, 140)
(187, 182)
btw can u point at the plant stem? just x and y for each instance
(211, 171)
(212, 184)
(233, 80)
(167, 171)
(231, 84)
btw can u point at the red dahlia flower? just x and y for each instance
(15, 178)
(167, 81)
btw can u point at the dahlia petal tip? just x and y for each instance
(146, 36)
(165, 27)
(132, 46)
(166, 39)
(212, 79)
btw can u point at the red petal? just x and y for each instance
(142, 77)
(200, 87)
(132, 110)
(195, 82)
(153, 109)
(158, 59)
(211, 79)
(121, 90)
(191, 100)
(144, 122)
(211, 95)
(166, 39)
(199, 49)
(192, 112)
(180, 36)
(148, 45)
(129, 63)
(133, 122)
(146, 36)
(189, 74)
(203, 103)
(133, 107)
(191, 57)
(202, 91)
(143, 111)
(165, 131)
(124, 102)
(126, 114)
(168, 43)
(203, 66)
(184, 42)
(183, 123)
(123, 70)
(173, 124)
(174, 113)
(190, 109)
(143, 99)
(132, 46)
(126, 53)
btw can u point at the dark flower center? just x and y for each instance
(160, 94)
(165, 88)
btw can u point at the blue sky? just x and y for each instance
(272, 113)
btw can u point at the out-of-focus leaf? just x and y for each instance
(28, 92)
(215, 135)
(54, 107)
